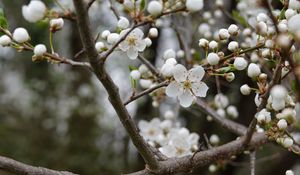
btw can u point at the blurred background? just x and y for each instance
(57, 116)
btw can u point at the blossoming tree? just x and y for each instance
(262, 43)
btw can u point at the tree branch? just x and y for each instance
(151, 67)
(142, 146)
(16, 167)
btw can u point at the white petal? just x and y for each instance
(196, 74)
(186, 99)
(124, 46)
(180, 73)
(140, 45)
(168, 151)
(138, 33)
(173, 89)
(132, 54)
(199, 89)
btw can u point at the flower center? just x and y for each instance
(131, 40)
(179, 150)
(187, 84)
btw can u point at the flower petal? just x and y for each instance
(132, 53)
(140, 45)
(138, 33)
(124, 46)
(173, 89)
(196, 74)
(199, 89)
(180, 73)
(186, 99)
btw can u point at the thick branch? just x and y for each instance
(87, 40)
(225, 123)
(16, 167)
(190, 163)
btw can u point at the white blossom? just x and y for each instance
(56, 24)
(39, 50)
(167, 68)
(187, 84)
(155, 8)
(213, 58)
(203, 43)
(223, 34)
(133, 43)
(150, 130)
(21, 35)
(99, 46)
(113, 38)
(135, 74)
(153, 32)
(289, 172)
(194, 5)
(253, 70)
(145, 83)
(232, 111)
(233, 29)
(214, 139)
(221, 101)
(105, 34)
(213, 45)
(245, 89)
(123, 23)
(5, 40)
(34, 11)
(233, 46)
(263, 116)
(282, 124)
(240, 63)
(148, 42)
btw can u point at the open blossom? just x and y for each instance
(133, 43)
(187, 84)
(34, 11)
(150, 130)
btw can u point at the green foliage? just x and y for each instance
(239, 18)
(3, 21)
(143, 5)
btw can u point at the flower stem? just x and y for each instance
(51, 42)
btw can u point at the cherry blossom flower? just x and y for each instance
(150, 130)
(133, 43)
(187, 84)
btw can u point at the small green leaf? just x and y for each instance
(131, 68)
(239, 18)
(226, 69)
(282, 12)
(142, 5)
(133, 83)
(3, 21)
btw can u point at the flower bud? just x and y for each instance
(21, 35)
(253, 70)
(229, 76)
(282, 124)
(155, 8)
(99, 46)
(123, 23)
(245, 89)
(56, 24)
(135, 74)
(153, 32)
(194, 5)
(39, 50)
(240, 63)
(5, 40)
(213, 58)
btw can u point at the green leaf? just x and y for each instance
(133, 83)
(131, 68)
(239, 18)
(142, 5)
(3, 21)
(226, 69)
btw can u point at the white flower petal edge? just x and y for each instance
(173, 89)
(186, 99)
(199, 89)
(180, 73)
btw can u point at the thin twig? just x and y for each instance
(113, 9)
(145, 92)
(150, 66)
(252, 162)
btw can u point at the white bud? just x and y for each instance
(203, 43)
(289, 172)
(233, 29)
(262, 17)
(99, 46)
(148, 42)
(155, 8)
(170, 53)
(169, 115)
(39, 50)
(233, 46)
(123, 23)
(240, 63)
(212, 168)
(270, 43)
(21, 35)
(5, 40)
(213, 45)
(143, 68)
(294, 4)
(262, 28)
(213, 58)
(221, 112)
(56, 24)
(153, 32)
(282, 27)
(254, 57)
(289, 13)
(167, 70)
(113, 38)
(229, 76)
(145, 83)
(219, 3)
(245, 89)
(278, 92)
(287, 142)
(282, 124)
(180, 54)
(105, 34)
(194, 5)
(294, 24)
(253, 70)
(34, 11)
(223, 34)
(232, 111)
(247, 32)
(214, 139)
(284, 40)
(135, 74)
